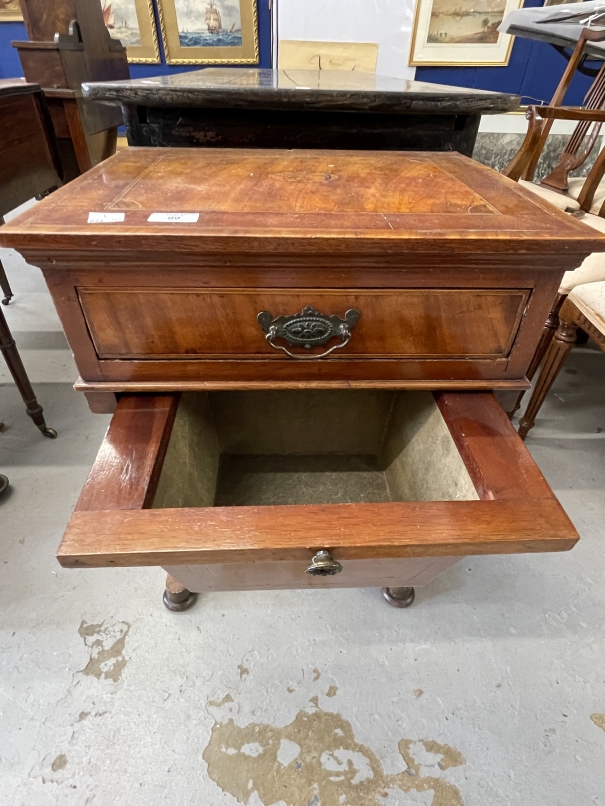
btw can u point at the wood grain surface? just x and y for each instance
(144, 323)
(500, 467)
(352, 531)
(28, 156)
(125, 473)
(311, 201)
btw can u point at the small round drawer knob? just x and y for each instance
(324, 565)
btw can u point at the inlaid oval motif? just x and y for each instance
(307, 331)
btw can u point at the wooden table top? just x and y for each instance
(298, 201)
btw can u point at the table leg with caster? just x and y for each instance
(399, 597)
(5, 286)
(17, 370)
(176, 596)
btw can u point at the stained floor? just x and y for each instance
(489, 691)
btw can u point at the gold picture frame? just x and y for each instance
(133, 23)
(461, 33)
(189, 38)
(10, 11)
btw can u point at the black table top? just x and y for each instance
(541, 25)
(308, 89)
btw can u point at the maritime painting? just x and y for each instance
(461, 32)
(133, 23)
(121, 20)
(209, 23)
(210, 31)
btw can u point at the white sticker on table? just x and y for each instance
(105, 218)
(172, 218)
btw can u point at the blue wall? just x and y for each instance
(10, 66)
(533, 71)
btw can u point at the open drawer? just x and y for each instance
(243, 490)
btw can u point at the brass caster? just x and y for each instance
(399, 597)
(180, 601)
(48, 432)
(3, 483)
(7, 299)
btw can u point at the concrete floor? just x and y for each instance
(489, 691)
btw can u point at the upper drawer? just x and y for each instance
(413, 322)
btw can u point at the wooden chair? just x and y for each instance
(592, 270)
(68, 45)
(576, 195)
(584, 308)
(557, 187)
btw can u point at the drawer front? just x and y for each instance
(399, 572)
(239, 490)
(154, 323)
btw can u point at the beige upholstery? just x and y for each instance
(558, 199)
(592, 269)
(576, 183)
(590, 300)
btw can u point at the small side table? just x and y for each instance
(29, 158)
(29, 167)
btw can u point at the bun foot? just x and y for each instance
(399, 597)
(177, 598)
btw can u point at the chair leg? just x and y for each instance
(8, 348)
(550, 327)
(5, 286)
(561, 344)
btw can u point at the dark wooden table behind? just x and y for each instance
(252, 108)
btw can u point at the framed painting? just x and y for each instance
(461, 32)
(209, 31)
(10, 11)
(133, 23)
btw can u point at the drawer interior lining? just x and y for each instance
(310, 447)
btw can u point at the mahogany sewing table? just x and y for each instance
(301, 349)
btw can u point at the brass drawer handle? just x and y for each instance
(309, 328)
(324, 565)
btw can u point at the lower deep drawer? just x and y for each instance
(240, 490)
